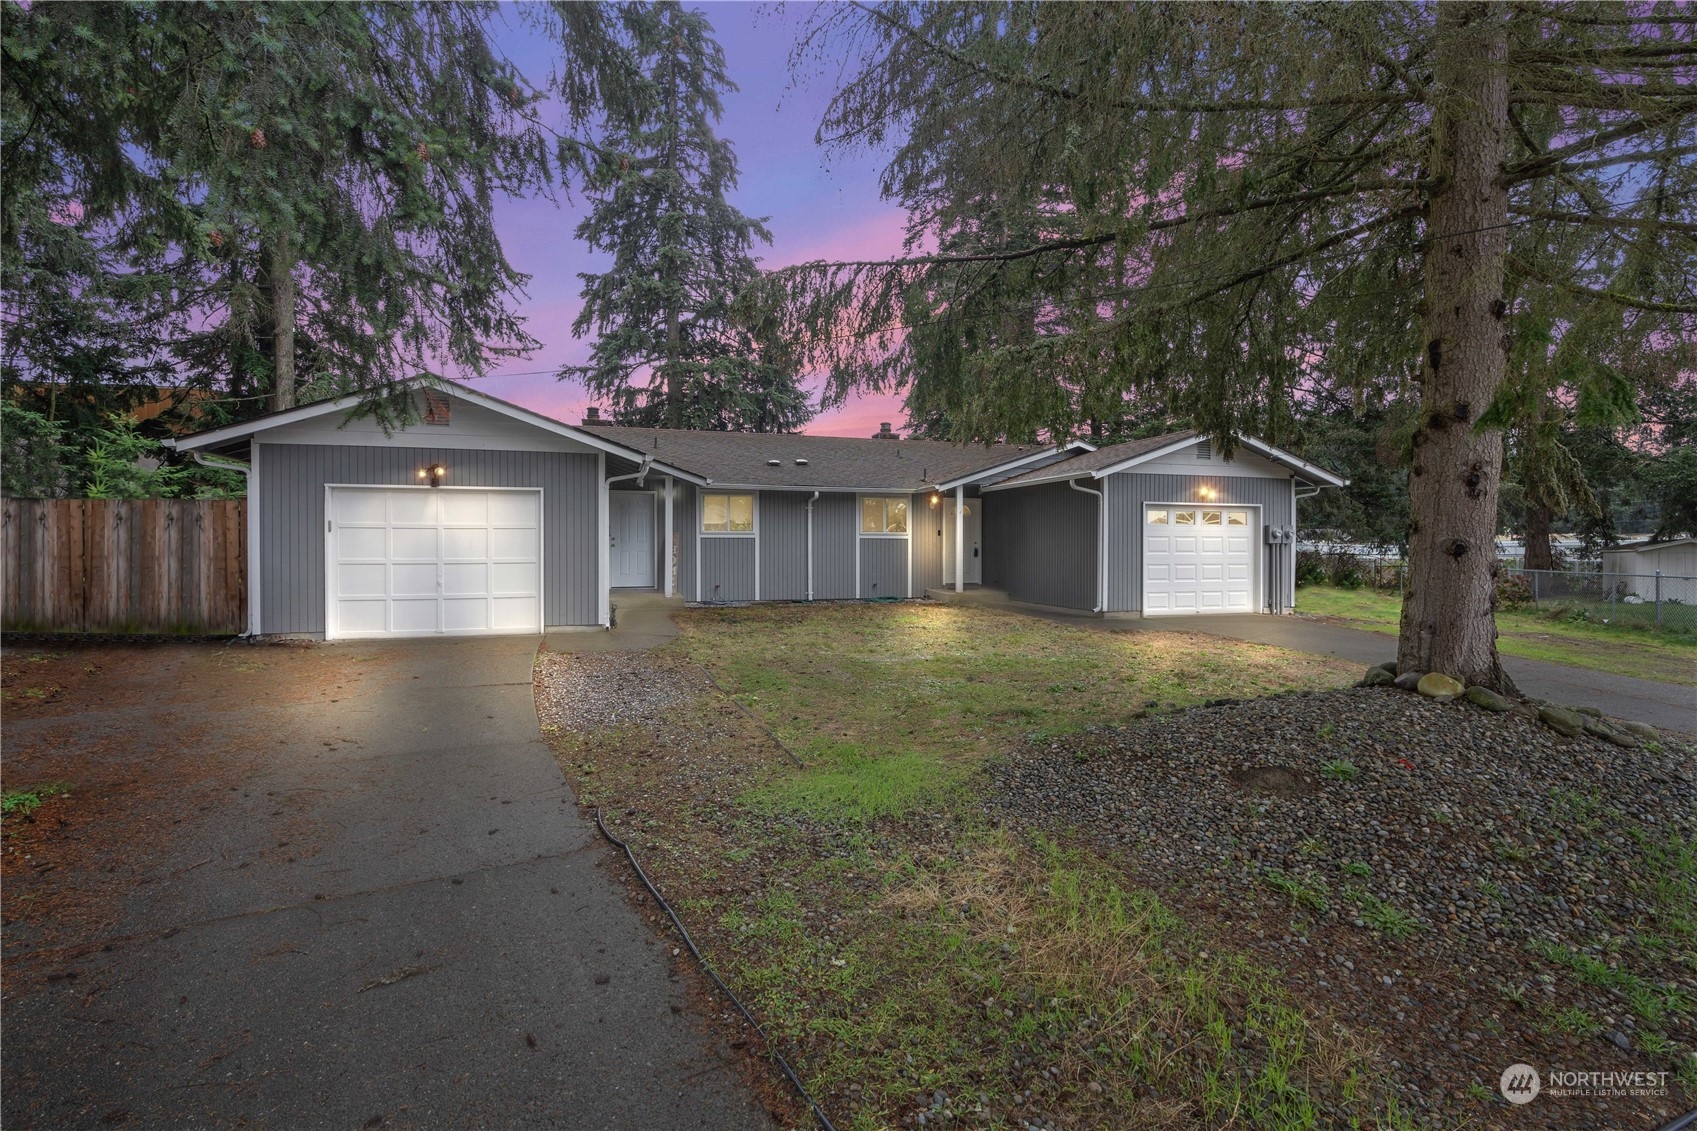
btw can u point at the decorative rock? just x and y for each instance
(1640, 730)
(1408, 681)
(1437, 685)
(1389, 667)
(1488, 699)
(1562, 721)
(1593, 712)
(1377, 677)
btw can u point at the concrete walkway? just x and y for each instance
(399, 921)
(641, 620)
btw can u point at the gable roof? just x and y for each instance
(1115, 458)
(839, 463)
(591, 437)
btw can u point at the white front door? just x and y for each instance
(973, 560)
(1199, 559)
(631, 526)
(421, 561)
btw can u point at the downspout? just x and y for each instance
(245, 470)
(1101, 542)
(810, 503)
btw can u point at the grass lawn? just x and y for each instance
(910, 953)
(1550, 634)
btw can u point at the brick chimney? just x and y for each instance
(884, 432)
(592, 417)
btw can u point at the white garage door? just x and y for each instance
(1199, 559)
(423, 561)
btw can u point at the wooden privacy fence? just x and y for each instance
(125, 565)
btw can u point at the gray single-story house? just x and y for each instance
(485, 517)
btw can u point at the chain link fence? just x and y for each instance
(1647, 600)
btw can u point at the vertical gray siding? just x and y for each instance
(685, 523)
(727, 568)
(783, 545)
(291, 519)
(1040, 545)
(927, 544)
(1129, 491)
(883, 567)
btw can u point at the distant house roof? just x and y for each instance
(838, 463)
(1648, 546)
(1114, 458)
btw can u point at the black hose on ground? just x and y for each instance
(1689, 1119)
(771, 1049)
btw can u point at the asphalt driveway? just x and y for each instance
(372, 904)
(1666, 705)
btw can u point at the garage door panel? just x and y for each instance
(465, 614)
(363, 616)
(512, 579)
(428, 561)
(514, 509)
(413, 543)
(413, 579)
(469, 508)
(359, 506)
(514, 545)
(369, 543)
(364, 579)
(1208, 570)
(465, 579)
(460, 544)
(513, 614)
(412, 615)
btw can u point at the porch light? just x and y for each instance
(935, 498)
(434, 473)
(1205, 492)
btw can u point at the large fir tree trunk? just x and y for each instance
(1537, 537)
(282, 275)
(1448, 621)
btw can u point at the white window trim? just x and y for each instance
(330, 628)
(701, 514)
(859, 514)
(883, 536)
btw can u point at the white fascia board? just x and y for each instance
(919, 490)
(1279, 455)
(1007, 465)
(583, 436)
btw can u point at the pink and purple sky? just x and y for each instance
(817, 205)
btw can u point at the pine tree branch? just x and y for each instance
(1626, 159)
(1135, 105)
(1081, 242)
(1582, 14)
(1310, 251)
(1527, 170)
(1594, 221)
(1617, 298)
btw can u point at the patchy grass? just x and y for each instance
(907, 954)
(893, 707)
(1668, 657)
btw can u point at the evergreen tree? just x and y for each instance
(251, 177)
(667, 352)
(1221, 201)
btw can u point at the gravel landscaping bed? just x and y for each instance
(580, 694)
(1473, 886)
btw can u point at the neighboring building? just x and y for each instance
(488, 518)
(1641, 561)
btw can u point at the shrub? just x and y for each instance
(1310, 568)
(1513, 590)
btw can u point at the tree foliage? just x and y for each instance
(231, 175)
(667, 351)
(1216, 206)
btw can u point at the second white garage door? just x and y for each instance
(1199, 559)
(433, 561)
